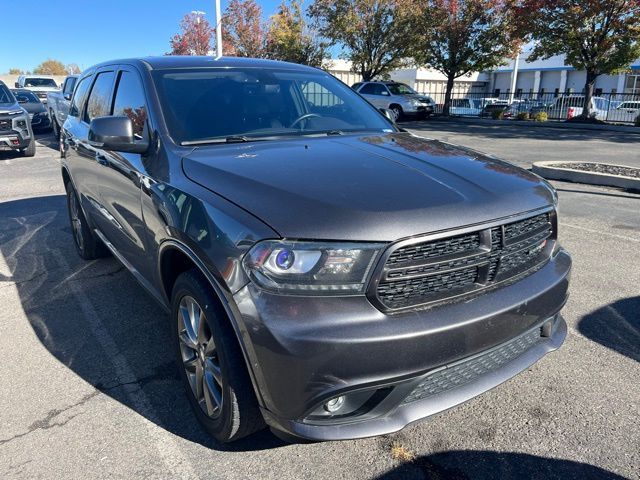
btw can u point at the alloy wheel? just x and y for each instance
(200, 357)
(76, 220)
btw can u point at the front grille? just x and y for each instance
(5, 125)
(426, 272)
(468, 370)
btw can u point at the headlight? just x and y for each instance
(416, 103)
(15, 112)
(311, 267)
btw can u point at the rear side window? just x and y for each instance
(98, 104)
(369, 89)
(130, 102)
(79, 96)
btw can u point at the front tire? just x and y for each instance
(397, 111)
(30, 151)
(88, 245)
(55, 127)
(210, 361)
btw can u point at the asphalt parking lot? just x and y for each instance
(88, 388)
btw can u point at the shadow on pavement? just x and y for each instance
(96, 320)
(481, 465)
(507, 130)
(616, 326)
(45, 141)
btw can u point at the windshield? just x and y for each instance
(400, 89)
(27, 95)
(40, 82)
(245, 103)
(5, 95)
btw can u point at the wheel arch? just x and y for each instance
(174, 258)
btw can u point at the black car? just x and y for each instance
(40, 120)
(324, 272)
(15, 126)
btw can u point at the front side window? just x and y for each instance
(130, 102)
(69, 84)
(400, 89)
(25, 96)
(80, 95)
(369, 89)
(98, 103)
(216, 103)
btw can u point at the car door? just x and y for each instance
(372, 92)
(92, 98)
(121, 174)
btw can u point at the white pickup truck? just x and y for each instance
(40, 85)
(58, 103)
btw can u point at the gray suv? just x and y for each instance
(324, 273)
(15, 125)
(402, 100)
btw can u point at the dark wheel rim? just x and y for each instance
(200, 357)
(76, 221)
(396, 112)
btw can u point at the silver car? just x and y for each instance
(399, 98)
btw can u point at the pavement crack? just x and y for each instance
(49, 420)
(163, 372)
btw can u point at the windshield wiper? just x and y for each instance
(229, 139)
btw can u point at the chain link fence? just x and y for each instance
(609, 107)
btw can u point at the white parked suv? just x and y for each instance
(38, 84)
(400, 99)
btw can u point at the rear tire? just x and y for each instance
(210, 361)
(88, 245)
(30, 151)
(54, 126)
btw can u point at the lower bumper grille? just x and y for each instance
(466, 371)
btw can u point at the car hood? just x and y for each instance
(369, 187)
(34, 107)
(9, 107)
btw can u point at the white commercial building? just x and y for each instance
(554, 76)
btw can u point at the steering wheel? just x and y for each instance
(303, 117)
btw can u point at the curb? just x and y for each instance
(549, 171)
(529, 123)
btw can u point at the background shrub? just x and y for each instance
(541, 117)
(523, 116)
(497, 114)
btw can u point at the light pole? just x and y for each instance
(218, 30)
(198, 14)
(514, 76)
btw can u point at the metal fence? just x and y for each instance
(609, 107)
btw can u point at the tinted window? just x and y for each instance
(5, 95)
(400, 89)
(130, 102)
(207, 103)
(69, 84)
(40, 82)
(98, 103)
(26, 96)
(79, 96)
(379, 89)
(369, 89)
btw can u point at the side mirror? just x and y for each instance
(67, 96)
(16, 84)
(388, 113)
(115, 133)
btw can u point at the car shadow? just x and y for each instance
(96, 320)
(616, 326)
(45, 140)
(481, 465)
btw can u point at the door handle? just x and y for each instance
(101, 159)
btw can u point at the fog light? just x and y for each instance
(334, 404)
(15, 142)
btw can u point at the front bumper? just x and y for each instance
(306, 350)
(15, 132)
(40, 122)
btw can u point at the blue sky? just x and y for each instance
(90, 31)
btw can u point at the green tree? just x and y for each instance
(376, 34)
(50, 67)
(244, 34)
(598, 36)
(458, 37)
(290, 38)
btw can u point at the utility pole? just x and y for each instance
(514, 76)
(218, 30)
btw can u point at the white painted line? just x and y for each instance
(178, 465)
(600, 232)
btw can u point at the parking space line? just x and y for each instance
(608, 234)
(178, 465)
